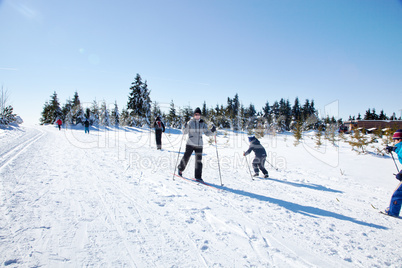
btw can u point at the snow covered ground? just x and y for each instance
(108, 199)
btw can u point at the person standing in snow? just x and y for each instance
(59, 123)
(159, 129)
(195, 128)
(396, 199)
(86, 124)
(260, 156)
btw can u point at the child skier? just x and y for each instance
(159, 128)
(260, 156)
(195, 128)
(396, 199)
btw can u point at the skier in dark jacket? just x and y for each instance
(396, 199)
(86, 125)
(260, 156)
(159, 128)
(195, 128)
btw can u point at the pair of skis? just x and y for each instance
(197, 181)
(385, 213)
(217, 155)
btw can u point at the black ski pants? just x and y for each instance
(259, 164)
(198, 160)
(158, 137)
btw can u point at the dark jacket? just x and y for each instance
(258, 149)
(86, 123)
(158, 125)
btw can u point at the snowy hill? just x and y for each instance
(70, 199)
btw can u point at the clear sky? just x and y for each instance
(344, 54)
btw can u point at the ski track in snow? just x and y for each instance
(72, 200)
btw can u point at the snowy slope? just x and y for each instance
(109, 199)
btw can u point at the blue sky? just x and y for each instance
(344, 54)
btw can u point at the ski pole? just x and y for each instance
(178, 155)
(271, 165)
(217, 156)
(395, 162)
(168, 139)
(249, 170)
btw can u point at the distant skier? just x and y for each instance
(195, 128)
(159, 128)
(59, 123)
(396, 199)
(86, 125)
(260, 156)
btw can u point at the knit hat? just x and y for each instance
(397, 134)
(197, 110)
(251, 138)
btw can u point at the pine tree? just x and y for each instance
(115, 115)
(7, 116)
(330, 130)
(156, 110)
(204, 110)
(66, 111)
(187, 113)
(104, 115)
(3, 102)
(374, 115)
(368, 115)
(296, 111)
(236, 111)
(275, 110)
(95, 113)
(267, 112)
(124, 118)
(285, 112)
(359, 141)
(172, 116)
(318, 136)
(77, 113)
(298, 133)
(382, 116)
(139, 102)
(51, 110)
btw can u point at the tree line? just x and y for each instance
(141, 111)
(371, 114)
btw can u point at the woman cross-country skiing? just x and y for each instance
(260, 156)
(396, 199)
(195, 128)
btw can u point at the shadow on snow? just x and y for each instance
(309, 186)
(297, 208)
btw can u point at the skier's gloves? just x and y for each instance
(213, 129)
(399, 176)
(390, 149)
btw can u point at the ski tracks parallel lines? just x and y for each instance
(162, 225)
(11, 154)
(101, 190)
